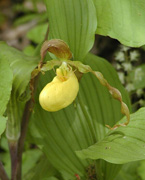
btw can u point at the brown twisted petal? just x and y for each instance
(57, 47)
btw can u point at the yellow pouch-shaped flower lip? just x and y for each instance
(60, 92)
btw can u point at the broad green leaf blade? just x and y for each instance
(6, 78)
(73, 21)
(140, 170)
(29, 50)
(129, 172)
(3, 121)
(30, 158)
(42, 170)
(80, 124)
(5, 158)
(123, 145)
(22, 66)
(122, 20)
(51, 178)
(37, 34)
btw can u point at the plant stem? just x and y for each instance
(3, 174)
(13, 154)
(17, 162)
(24, 125)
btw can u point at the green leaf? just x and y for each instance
(140, 170)
(4, 144)
(30, 159)
(125, 144)
(5, 158)
(3, 121)
(73, 21)
(122, 20)
(43, 169)
(51, 178)
(80, 124)
(22, 66)
(37, 34)
(6, 79)
(129, 172)
(138, 77)
(35, 17)
(29, 50)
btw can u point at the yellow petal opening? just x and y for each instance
(60, 92)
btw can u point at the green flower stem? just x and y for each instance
(13, 131)
(13, 123)
(24, 125)
(3, 174)
(13, 154)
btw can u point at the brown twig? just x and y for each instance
(3, 174)
(24, 125)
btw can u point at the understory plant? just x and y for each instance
(63, 110)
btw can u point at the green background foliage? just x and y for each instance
(122, 20)
(78, 130)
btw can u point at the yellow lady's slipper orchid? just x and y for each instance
(61, 91)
